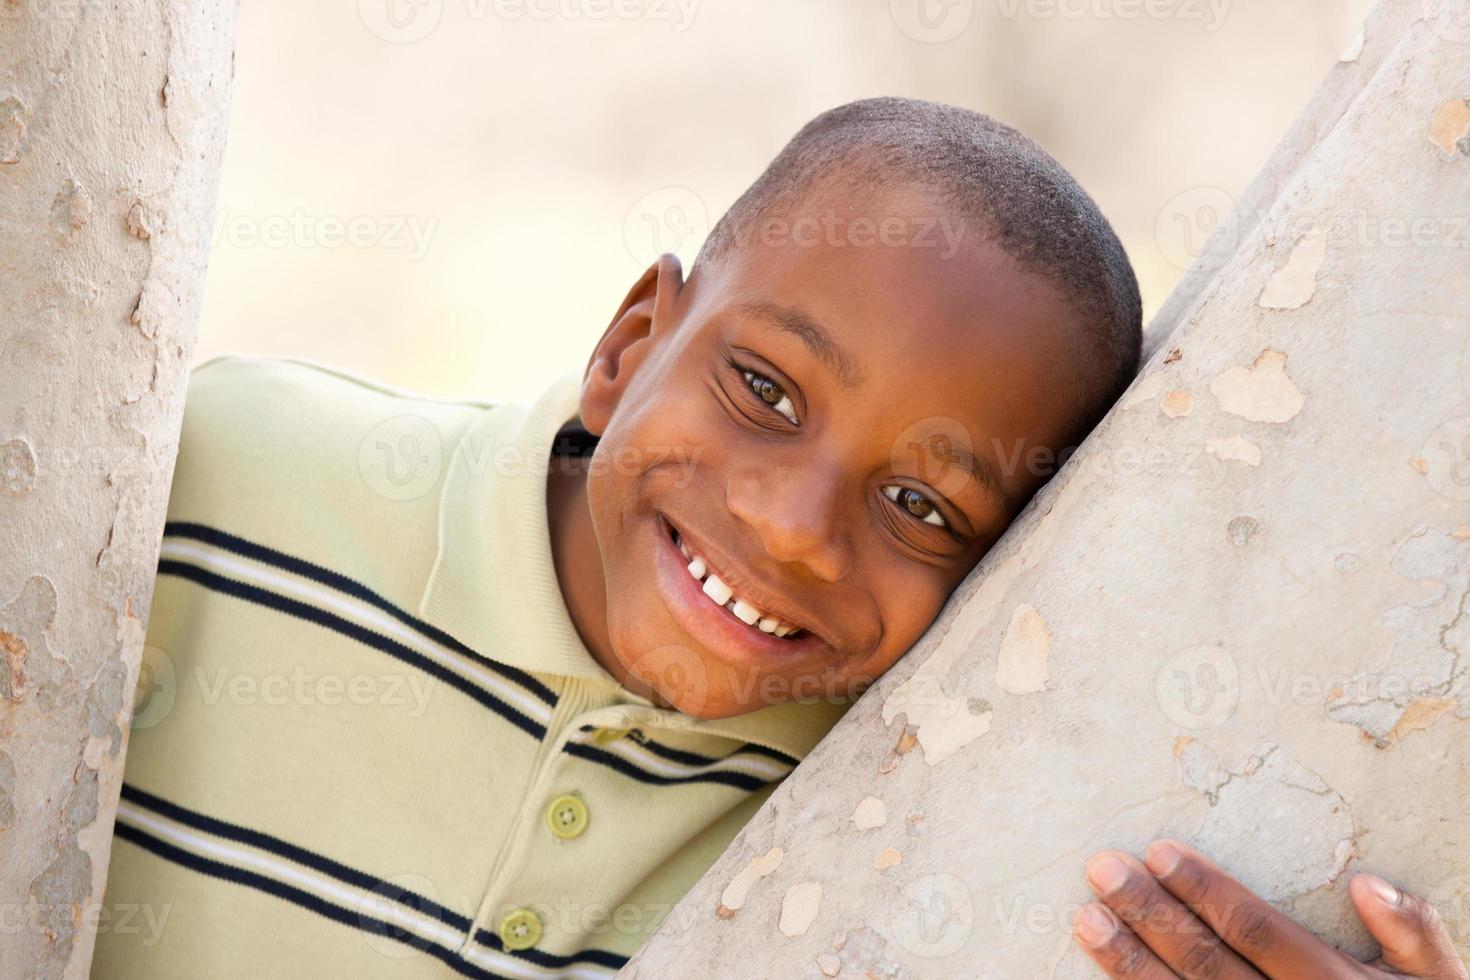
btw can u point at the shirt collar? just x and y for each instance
(494, 586)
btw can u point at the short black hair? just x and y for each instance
(1023, 198)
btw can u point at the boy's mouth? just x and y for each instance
(725, 621)
(723, 596)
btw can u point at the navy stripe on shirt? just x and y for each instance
(347, 586)
(337, 624)
(333, 869)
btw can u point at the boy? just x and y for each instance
(631, 607)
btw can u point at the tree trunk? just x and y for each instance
(1237, 616)
(112, 125)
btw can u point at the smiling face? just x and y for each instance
(835, 431)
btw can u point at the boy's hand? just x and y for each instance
(1178, 915)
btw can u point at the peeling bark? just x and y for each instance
(1258, 646)
(105, 195)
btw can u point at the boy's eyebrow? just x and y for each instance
(804, 327)
(982, 468)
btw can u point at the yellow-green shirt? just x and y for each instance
(369, 740)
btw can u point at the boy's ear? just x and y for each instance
(646, 315)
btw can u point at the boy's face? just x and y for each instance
(856, 520)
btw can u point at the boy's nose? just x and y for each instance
(796, 515)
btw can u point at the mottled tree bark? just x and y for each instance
(112, 125)
(1239, 614)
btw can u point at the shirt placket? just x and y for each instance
(512, 917)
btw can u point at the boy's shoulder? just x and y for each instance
(244, 377)
(278, 402)
(288, 449)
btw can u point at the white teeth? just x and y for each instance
(714, 587)
(717, 590)
(745, 612)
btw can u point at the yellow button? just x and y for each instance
(520, 929)
(567, 817)
(605, 735)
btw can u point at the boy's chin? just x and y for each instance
(696, 704)
(696, 683)
(686, 687)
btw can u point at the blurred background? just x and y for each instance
(454, 195)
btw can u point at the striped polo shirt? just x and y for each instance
(368, 740)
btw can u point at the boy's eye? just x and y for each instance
(915, 503)
(772, 394)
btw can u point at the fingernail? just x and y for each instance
(1387, 894)
(1107, 873)
(1161, 858)
(1095, 926)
